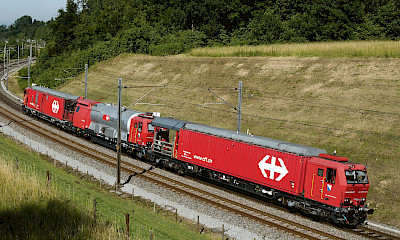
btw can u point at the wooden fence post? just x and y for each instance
(198, 223)
(223, 231)
(94, 209)
(48, 180)
(127, 225)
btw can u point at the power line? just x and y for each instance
(333, 106)
(349, 109)
(292, 122)
(258, 122)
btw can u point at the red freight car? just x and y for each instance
(82, 118)
(50, 104)
(301, 177)
(265, 166)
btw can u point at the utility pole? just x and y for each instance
(29, 66)
(239, 106)
(86, 76)
(4, 61)
(9, 63)
(119, 133)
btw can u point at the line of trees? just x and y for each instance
(88, 31)
(24, 28)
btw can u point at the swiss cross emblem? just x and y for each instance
(55, 106)
(269, 163)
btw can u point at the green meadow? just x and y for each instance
(31, 207)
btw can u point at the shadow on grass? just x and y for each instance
(54, 220)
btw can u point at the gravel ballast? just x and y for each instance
(235, 226)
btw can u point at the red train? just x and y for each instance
(302, 178)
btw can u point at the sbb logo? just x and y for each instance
(269, 163)
(55, 106)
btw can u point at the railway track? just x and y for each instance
(182, 188)
(207, 197)
(373, 234)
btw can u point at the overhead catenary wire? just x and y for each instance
(260, 122)
(332, 106)
(296, 100)
(290, 122)
(140, 99)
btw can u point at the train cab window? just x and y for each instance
(356, 176)
(150, 127)
(330, 175)
(77, 109)
(320, 172)
(135, 125)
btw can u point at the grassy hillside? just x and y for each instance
(344, 104)
(341, 102)
(30, 209)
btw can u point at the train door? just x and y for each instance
(134, 133)
(43, 100)
(37, 106)
(321, 182)
(318, 183)
(314, 182)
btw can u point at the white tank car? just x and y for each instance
(104, 120)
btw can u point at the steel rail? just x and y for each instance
(218, 201)
(224, 203)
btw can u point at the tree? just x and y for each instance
(63, 27)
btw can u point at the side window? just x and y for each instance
(150, 127)
(140, 127)
(77, 109)
(320, 172)
(37, 96)
(135, 125)
(330, 175)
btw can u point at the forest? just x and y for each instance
(89, 31)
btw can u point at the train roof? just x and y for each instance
(112, 110)
(56, 93)
(176, 125)
(168, 123)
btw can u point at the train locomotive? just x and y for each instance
(302, 178)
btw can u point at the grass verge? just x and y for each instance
(33, 208)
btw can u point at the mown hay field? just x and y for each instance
(335, 49)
